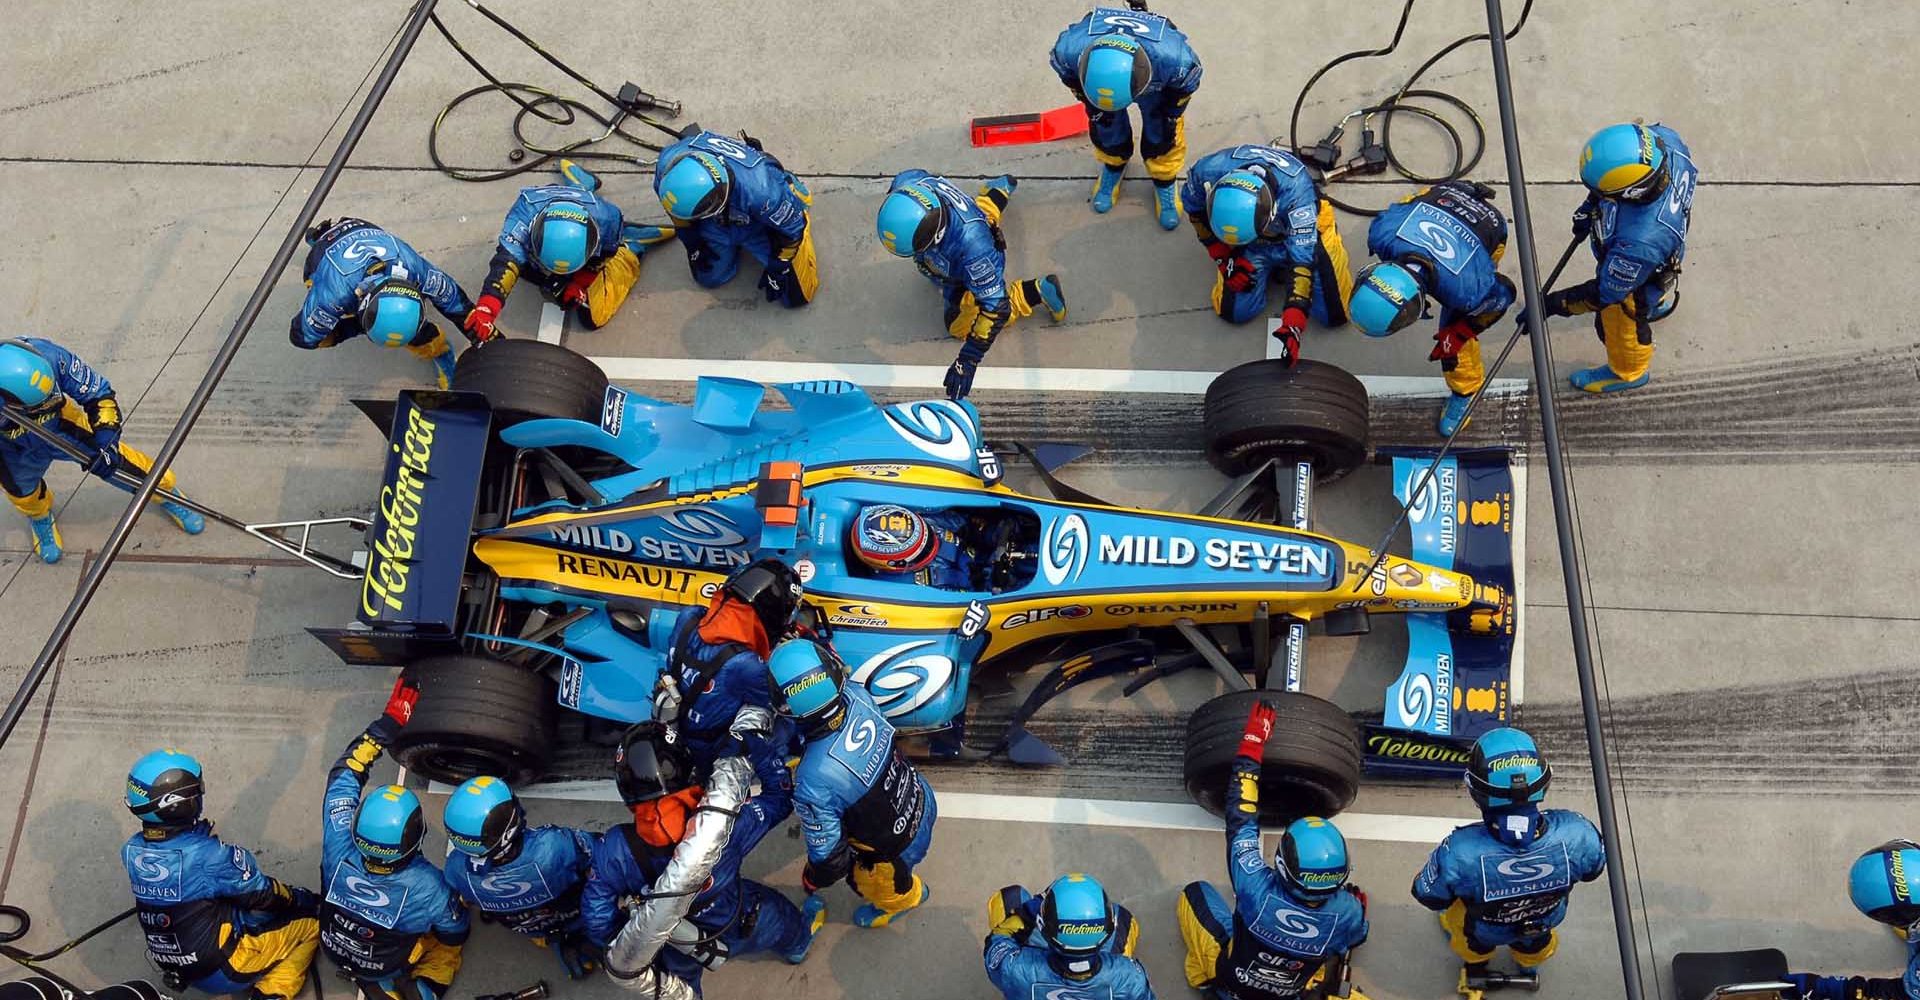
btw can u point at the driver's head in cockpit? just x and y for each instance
(891, 539)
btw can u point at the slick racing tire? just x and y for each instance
(1312, 764)
(1263, 409)
(528, 379)
(477, 715)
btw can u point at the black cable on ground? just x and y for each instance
(551, 108)
(1462, 160)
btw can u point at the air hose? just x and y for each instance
(533, 102)
(1378, 156)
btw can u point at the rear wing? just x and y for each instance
(1457, 681)
(409, 600)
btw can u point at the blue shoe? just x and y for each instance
(869, 915)
(638, 237)
(186, 520)
(1104, 186)
(1163, 195)
(1453, 416)
(46, 539)
(1003, 183)
(578, 176)
(1602, 379)
(813, 914)
(1054, 296)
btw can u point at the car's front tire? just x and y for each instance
(478, 715)
(1312, 763)
(1263, 409)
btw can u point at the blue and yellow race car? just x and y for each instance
(539, 531)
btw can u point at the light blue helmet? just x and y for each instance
(484, 819)
(1622, 161)
(164, 788)
(695, 186)
(1074, 918)
(912, 219)
(1387, 298)
(1240, 207)
(806, 678)
(563, 236)
(1506, 769)
(1113, 72)
(1312, 859)
(390, 312)
(25, 376)
(388, 828)
(1885, 883)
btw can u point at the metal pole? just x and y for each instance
(1562, 517)
(163, 459)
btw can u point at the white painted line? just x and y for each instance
(1076, 812)
(878, 376)
(1273, 346)
(553, 322)
(1517, 676)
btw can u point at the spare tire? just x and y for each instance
(1312, 763)
(1263, 409)
(528, 379)
(478, 715)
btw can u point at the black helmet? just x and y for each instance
(772, 588)
(651, 763)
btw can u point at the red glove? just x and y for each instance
(1219, 250)
(480, 319)
(400, 703)
(1294, 320)
(1237, 273)
(1448, 341)
(576, 290)
(1253, 742)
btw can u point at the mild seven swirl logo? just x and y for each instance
(1063, 552)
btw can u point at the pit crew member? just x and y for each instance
(726, 195)
(717, 659)
(363, 280)
(527, 879)
(1881, 885)
(1085, 947)
(213, 920)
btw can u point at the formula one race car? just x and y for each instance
(539, 531)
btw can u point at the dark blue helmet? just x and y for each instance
(484, 820)
(388, 828)
(1882, 883)
(1076, 924)
(1506, 770)
(164, 789)
(651, 763)
(390, 312)
(1312, 859)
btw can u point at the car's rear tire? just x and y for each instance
(478, 715)
(529, 379)
(1312, 763)
(1263, 409)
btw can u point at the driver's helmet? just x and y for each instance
(890, 538)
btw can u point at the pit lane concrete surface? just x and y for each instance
(1745, 517)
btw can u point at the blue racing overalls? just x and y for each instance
(1457, 238)
(1174, 76)
(1269, 943)
(765, 215)
(346, 261)
(398, 934)
(1301, 247)
(213, 920)
(1491, 893)
(867, 814)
